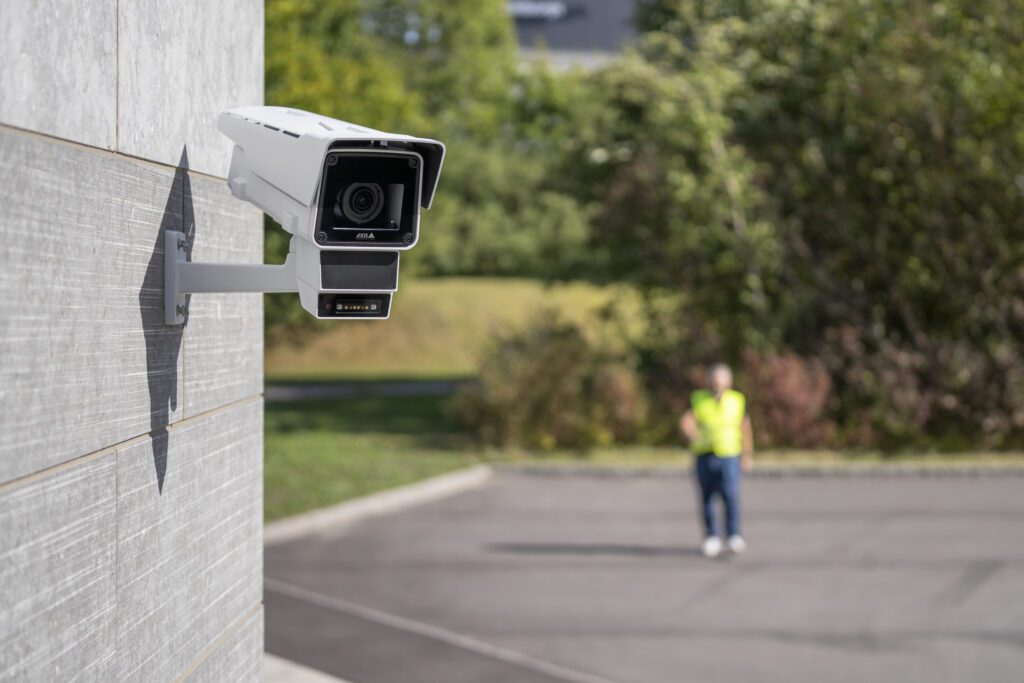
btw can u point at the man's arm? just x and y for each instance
(688, 427)
(748, 444)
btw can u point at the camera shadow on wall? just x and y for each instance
(163, 342)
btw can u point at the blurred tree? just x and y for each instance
(679, 208)
(501, 216)
(320, 58)
(888, 138)
(430, 67)
(458, 55)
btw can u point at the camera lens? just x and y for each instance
(362, 202)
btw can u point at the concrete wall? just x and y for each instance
(130, 452)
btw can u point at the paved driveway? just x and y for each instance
(597, 578)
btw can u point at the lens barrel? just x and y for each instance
(362, 202)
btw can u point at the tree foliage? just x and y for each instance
(833, 184)
(879, 149)
(436, 68)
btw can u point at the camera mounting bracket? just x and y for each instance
(182, 277)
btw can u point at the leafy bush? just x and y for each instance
(497, 213)
(554, 384)
(949, 394)
(788, 400)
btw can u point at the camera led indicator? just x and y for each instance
(354, 305)
(343, 307)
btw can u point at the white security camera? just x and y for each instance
(349, 195)
(329, 182)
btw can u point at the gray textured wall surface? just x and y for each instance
(210, 59)
(131, 452)
(58, 68)
(140, 77)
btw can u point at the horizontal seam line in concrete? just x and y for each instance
(433, 632)
(85, 147)
(219, 641)
(44, 473)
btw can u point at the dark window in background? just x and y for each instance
(573, 25)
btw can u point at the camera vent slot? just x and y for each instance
(267, 125)
(294, 135)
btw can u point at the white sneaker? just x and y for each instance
(711, 547)
(736, 544)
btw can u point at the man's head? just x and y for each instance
(719, 378)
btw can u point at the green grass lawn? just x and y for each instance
(437, 329)
(324, 452)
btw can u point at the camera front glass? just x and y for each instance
(369, 199)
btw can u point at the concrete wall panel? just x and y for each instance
(190, 550)
(58, 68)
(210, 59)
(238, 659)
(130, 451)
(57, 572)
(86, 361)
(224, 340)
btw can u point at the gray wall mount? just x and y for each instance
(183, 277)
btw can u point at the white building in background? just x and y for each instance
(568, 33)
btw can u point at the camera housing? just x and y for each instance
(349, 195)
(298, 167)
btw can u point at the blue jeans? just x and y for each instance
(721, 476)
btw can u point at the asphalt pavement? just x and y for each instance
(537, 578)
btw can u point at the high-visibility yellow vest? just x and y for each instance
(720, 422)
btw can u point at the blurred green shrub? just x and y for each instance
(498, 214)
(554, 384)
(950, 395)
(788, 400)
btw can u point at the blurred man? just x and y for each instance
(719, 432)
